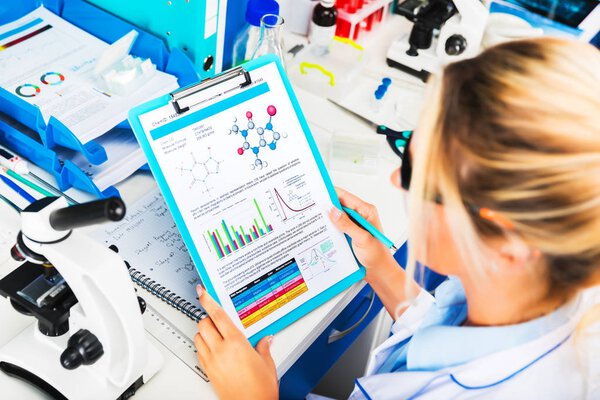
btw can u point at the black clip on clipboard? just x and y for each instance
(184, 99)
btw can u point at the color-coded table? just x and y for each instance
(268, 293)
(236, 239)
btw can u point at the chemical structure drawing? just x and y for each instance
(259, 162)
(200, 171)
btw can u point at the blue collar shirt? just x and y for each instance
(441, 341)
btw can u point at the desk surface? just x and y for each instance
(175, 380)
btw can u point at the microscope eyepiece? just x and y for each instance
(115, 209)
(95, 212)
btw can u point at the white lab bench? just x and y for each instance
(175, 380)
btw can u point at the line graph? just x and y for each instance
(284, 205)
(317, 259)
(291, 199)
(293, 207)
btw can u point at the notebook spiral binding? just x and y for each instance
(169, 297)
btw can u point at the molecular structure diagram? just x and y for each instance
(200, 171)
(262, 142)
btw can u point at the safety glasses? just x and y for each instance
(401, 148)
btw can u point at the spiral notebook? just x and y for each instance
(158, 261)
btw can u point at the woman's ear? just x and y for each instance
(514, 255)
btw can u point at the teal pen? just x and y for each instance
(359, 219)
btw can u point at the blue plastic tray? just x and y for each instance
(38, 149)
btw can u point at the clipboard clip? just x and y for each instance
(209, 88)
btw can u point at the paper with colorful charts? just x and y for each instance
(252, 198)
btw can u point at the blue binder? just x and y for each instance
(196, 27)
(31, 137)
(198, 115)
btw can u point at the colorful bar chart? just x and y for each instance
(268, 293)
(227, 239)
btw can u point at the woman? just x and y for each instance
(505, 199)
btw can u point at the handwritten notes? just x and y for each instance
(149, 241)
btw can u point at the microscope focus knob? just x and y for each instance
(456, 45)
(83, 348)
(142, 304)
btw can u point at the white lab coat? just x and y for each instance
(546, 368)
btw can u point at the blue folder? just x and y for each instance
(199, 114)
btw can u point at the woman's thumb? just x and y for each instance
(263, 348)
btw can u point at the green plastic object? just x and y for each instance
(197, 27)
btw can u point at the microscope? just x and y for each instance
(88, 341)
(443, 31)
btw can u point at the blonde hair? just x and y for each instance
(516, 130)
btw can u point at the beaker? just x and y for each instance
(271, 37)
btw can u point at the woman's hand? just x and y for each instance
(369, 251)
(384, 274)
(235, 369)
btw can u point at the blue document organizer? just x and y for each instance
(31, 137)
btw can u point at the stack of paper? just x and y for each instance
(124, 158)
(49, 62)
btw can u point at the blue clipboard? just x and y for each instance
(178, 99)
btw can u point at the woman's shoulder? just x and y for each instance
(555, 372)
(563, 363)
(560, 374)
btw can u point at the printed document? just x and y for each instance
(250, 195)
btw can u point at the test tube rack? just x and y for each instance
(358, 16)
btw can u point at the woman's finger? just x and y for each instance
(209, 333)
(202, 349)
(341, 220)
(263, 348)
(217, 315)
(368, 211)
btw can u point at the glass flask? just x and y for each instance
(271, 37)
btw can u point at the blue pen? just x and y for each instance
(359, 219)
(17, 189)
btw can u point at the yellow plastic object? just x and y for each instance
(304, 65)
(348, 41)
(338, 69)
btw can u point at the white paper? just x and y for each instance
(48, 62)
(149, 241)
(278, 191)
(124, 158)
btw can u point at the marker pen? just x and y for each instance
(13, 162)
